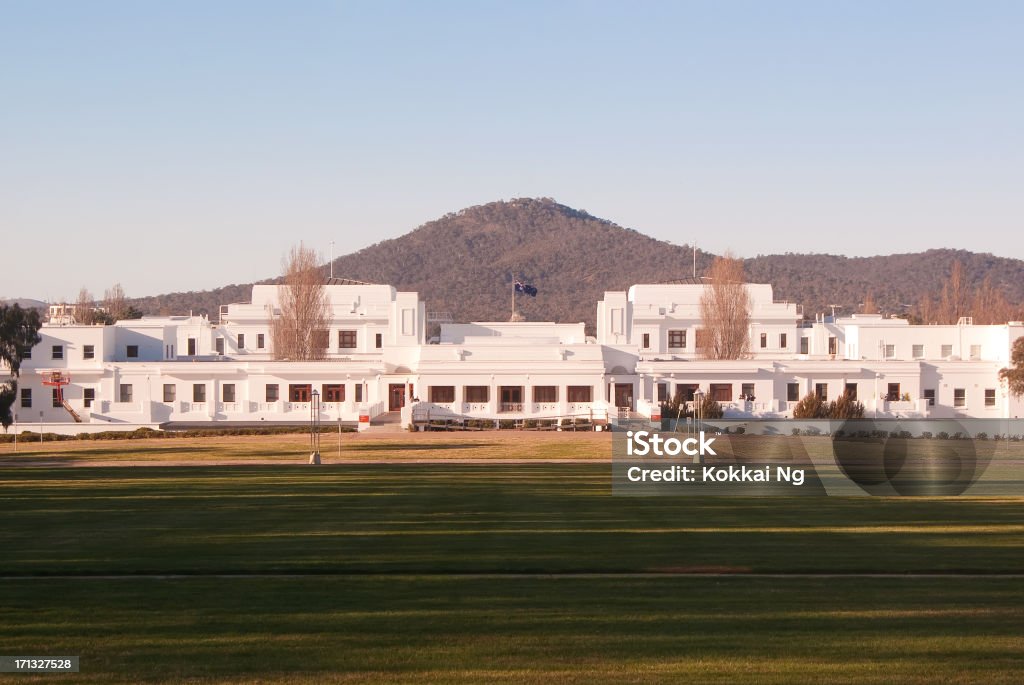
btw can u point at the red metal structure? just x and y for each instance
(58, 380)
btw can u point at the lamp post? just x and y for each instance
(314, 427)
(698, 396)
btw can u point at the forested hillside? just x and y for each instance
(464, 264)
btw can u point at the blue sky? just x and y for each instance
(186, 145)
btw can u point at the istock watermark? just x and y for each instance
(856, 457)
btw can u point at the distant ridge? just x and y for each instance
(25, 303)
(463, 263)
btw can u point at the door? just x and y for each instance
(396, 396)
(624, 395)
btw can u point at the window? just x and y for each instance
(747, 391)
(476, 393)
(890, 351)
(821, 391)
(218, 345)
(833, 344)
(26, 398)
(805, 345)
(261, 341)
(947, 351)
(241, 341)
(929, 394)
(545, 393)
(685, 391)
(511, 397)
(57, 352)
(170, 392)
(893, 394)
(721, 392)
(850, 390)
(792, 392)
(917, 351)
(227, 392)
(379, 340)
(347, 340)
(89, 396)
(676, 339)
(764, 340)
(579, 393)
(299, 392)
(359, 392)
(124, 392)
(333, 392)
(663, 392)
(442, 394)
(132, 351)
(199, 392)
(55, 398)
(959, 397)
(191, 346)
(783, 340)
(273, 393)
(975, 351)
(88, 352)
(647, 341)
(990, 397)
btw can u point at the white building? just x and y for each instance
(185, 370)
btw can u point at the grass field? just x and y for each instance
(469, 572)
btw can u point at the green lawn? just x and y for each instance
(397, 578)
(417, 518)
(534, 630)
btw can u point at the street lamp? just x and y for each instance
(698, 396)
(314, 427)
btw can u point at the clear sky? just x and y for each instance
(185, 145)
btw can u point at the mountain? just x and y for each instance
(464, 263)
(25, 303)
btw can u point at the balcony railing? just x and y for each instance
(509, 407)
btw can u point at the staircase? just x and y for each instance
(388, 422)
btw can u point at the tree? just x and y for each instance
(300, 330)
(1014, 376)
(810, 406)
(869, 306)
(725, 312)
(990, 305)
(708, 408)
(85, 308)
(955, 295)
(19, 332)
(115, 303)
(845, 407)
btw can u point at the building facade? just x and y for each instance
(184, 371)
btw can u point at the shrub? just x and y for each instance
(845, 407)
(709, 408)
(810, 406)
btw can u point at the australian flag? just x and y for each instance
(526, 289)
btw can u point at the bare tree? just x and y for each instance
(115, 303)
(869, 306)
(990, 305)
(725, 311)
(300, 331)
(955, 295)
(926, 310)
(85, 308)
